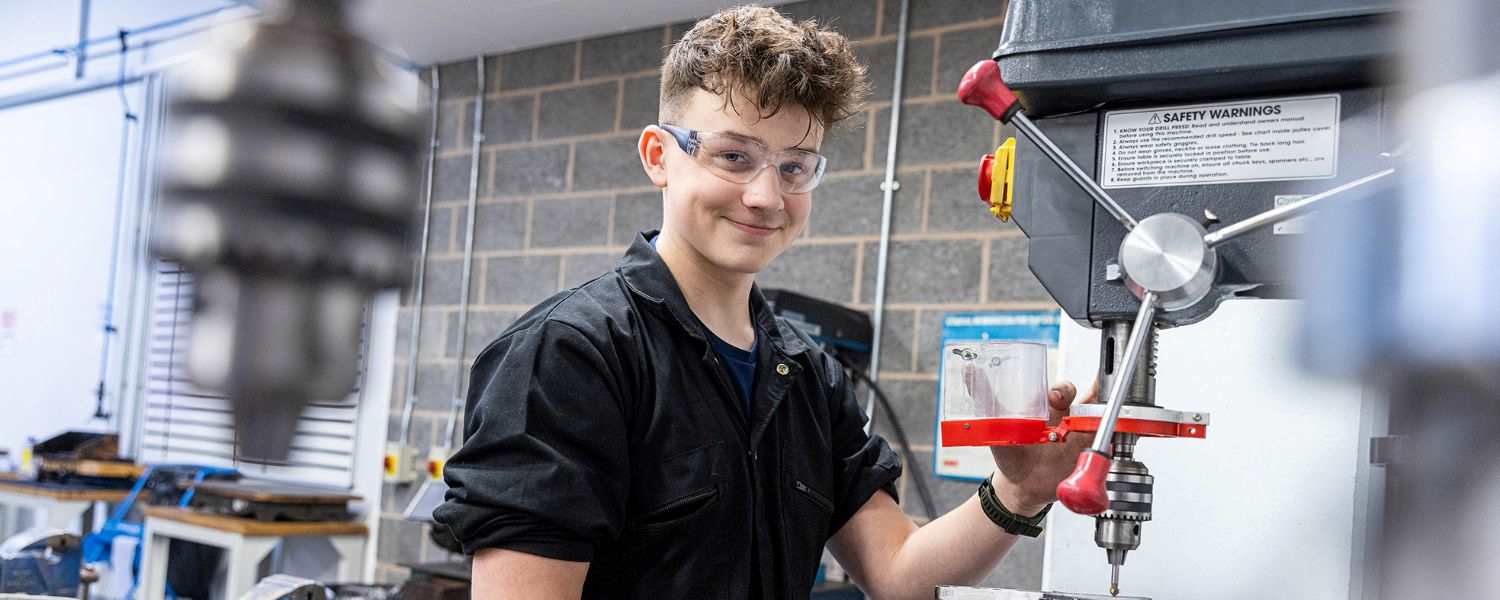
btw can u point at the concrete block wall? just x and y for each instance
(561, 194)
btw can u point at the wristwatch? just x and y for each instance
(1009, 521)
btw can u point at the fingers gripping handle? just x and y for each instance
(1083, 491)
(982, 87)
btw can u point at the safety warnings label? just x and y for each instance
(1228, 142)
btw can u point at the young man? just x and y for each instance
(657, 433)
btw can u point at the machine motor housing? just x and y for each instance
(1073, 64)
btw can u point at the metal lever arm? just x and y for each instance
(983, 87)
(1282, 213)
(1083, 491)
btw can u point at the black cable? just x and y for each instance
(923, 492)
(114, 248)
(120, 87)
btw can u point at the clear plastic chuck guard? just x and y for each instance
(993, 393)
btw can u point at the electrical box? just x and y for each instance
(400, 464)
(437, 458)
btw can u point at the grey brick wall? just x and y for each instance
(561, 195)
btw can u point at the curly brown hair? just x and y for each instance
(758, 52)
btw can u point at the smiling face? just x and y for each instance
(729, 228)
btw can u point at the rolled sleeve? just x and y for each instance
(544, 464)
(865, 463)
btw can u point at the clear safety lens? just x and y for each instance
(740, 160)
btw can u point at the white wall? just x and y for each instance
(1262, 507)
(58, 170)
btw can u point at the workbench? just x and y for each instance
(246, 542)
(59, 502)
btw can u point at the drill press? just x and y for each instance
(1171, 264)
(1154, 190)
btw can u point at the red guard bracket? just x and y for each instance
(1148, 421)
(1143, 427)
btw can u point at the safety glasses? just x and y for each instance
(738, 159)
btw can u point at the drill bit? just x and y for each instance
(1114, 580)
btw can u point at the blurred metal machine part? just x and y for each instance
(290, 166)
(971, 593)
(1401, 295)
(286, 587)
(40, 562)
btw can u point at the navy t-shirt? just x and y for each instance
(741, 363)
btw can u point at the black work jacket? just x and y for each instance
(602, 427)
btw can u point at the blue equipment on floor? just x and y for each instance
(163, 481)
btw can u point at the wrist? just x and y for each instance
(1009, 494)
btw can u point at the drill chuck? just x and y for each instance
(1118, 529)
(289, 169)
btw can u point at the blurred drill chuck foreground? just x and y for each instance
(290, 165)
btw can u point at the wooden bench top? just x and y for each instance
(265, 491)
(62, 492)
(113, 469)
(251, 527)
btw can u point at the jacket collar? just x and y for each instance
(648, 277)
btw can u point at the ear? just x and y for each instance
(652, 154)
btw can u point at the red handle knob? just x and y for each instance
(982, 87)
(1083, 491)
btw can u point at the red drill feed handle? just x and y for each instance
(1083, 491)
(982, 87)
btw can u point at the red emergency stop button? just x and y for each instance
(986, 167)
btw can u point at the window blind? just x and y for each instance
(183, 423)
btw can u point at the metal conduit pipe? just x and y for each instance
(889, 187)
(414, 331)
(108, 329)
(132, 323)
(97, 83)
(157, 26)
(150, 184)
(134, 33)
(88, 85)
(81, 54)
(459, 378)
